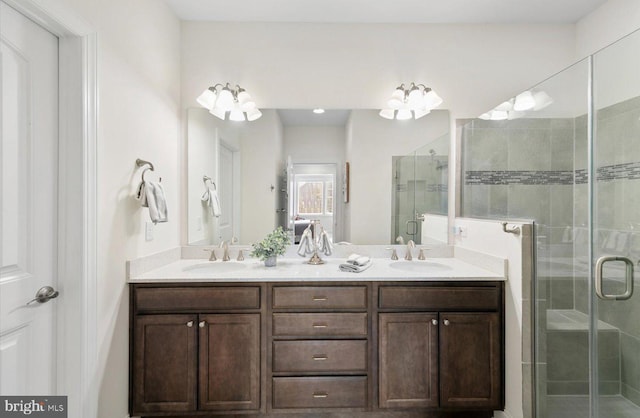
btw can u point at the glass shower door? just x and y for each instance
(615, 225)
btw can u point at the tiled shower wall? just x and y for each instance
(536, 169)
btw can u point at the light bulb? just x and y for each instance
(207, 99)
(524, 101)
(225, 99)
(397, 98)
(318, 111)
(218, 112)
(387, 113)
(403, 114)
(253, 114)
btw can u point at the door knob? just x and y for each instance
(44, 294)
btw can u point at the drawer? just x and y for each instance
(439, 298)
(320, 324)
(150, 299)
(320, 297)
(320, 392)
(320, 356)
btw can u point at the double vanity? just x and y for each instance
(403, 338)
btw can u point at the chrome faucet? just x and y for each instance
(225, 245)
(410, 245)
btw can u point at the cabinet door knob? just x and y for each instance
(190, 324)
(201, 324)
(446, 322)
(434, 321)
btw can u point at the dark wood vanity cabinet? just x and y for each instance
(273, 348)
(451, 356)
(207, 360)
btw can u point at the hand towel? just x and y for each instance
(358, 259)
(352, 268)
(151, 195)
(210, 198)
(325, 244)
(304, 248)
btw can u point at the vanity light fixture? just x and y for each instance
(318, 111)
(517, 107)
(415, 102)
(222, 99)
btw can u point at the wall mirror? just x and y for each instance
(368, 180)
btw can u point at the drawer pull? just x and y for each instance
(320, 357)
(321, 395)
(320, 298)
(320, 325)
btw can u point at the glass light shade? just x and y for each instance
(403, 114)
(225, 99)
(416, 98)
(218, 112)
(253, 114)
(524, 101)
(397, 98)
(236, 115)
(207, 99)
(542, 100)
(418, 113)
(318, 111)
(499, 115)
(387, 113)
(485, 116)
(431, 99)
(245, 100)
(505, 106)
(515, 115)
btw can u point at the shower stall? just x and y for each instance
(568, 157)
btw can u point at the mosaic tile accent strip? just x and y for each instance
(626, 171)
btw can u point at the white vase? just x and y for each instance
(271, 261)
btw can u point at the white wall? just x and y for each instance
(357, 66)
(371, 141)
(262, 163)
(138, 117)
(487, 237)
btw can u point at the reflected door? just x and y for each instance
(28, 221)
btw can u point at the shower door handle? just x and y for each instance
(628, 275)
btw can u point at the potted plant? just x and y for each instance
(271, 247)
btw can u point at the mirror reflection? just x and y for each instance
(341, 167)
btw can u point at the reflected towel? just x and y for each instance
(151, 195)
(210, 198)
(305, 243)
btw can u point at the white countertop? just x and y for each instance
(296, 270)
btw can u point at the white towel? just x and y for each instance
(325, 244)
(353, 268)
(358, 260)
(210, 198)
(305, 243)
(151, 195)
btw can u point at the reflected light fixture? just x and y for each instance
(518, 106)
(415, 102)
(221, 100)
(318, 111)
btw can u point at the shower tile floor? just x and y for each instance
(578, 407)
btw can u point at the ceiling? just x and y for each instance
(389, 11)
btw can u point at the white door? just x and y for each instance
(28, 222)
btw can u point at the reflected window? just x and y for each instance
(314, 194)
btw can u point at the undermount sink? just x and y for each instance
(419, 266)
(216, 267)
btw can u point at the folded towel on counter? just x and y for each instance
(151, 195)
(358, 259)
(353, 268)
(210, 198)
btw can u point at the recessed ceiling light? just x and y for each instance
(318, 111)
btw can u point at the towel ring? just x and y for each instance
(207, 178)
(145, 172)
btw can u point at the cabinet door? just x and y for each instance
(229, 362)
(408, 360)
(470, 360)
(164, 363)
